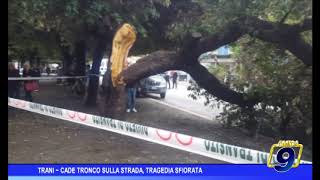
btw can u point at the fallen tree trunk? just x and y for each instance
(155, 63)
(286, 36)
(161, 61)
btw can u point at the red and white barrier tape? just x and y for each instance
(212, 149)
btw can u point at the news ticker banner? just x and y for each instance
(157, 177)
(217, 150)
(231, 170)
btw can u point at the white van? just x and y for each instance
(103, 66)
(103, 69)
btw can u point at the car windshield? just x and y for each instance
(157, 78)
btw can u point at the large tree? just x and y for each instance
(257, 19)
(174, 33)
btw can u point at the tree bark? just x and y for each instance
(112, 101)
(154, 63)
(286, 36)
(31, 62)
(213, 86)
(161, 61)
(95, 70)
(38, 60)
(80, 58)
(66, 59)
(22, 63)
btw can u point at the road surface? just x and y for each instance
(34, 138)
(179, 99)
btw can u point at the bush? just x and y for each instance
(281, 83)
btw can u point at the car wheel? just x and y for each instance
(163, 95)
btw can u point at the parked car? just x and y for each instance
(153, 84)
(182, 76)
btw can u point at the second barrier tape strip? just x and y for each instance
(212, 149)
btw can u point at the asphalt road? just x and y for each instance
(179, 99)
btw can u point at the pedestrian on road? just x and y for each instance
(167, 78)
(174, 79)
(48, 70)
(36, 71)
(131, 102)
(29, 85)
(131, 91)
(13, 85)
(59, 73)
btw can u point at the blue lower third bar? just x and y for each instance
(153, 170)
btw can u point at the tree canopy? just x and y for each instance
(272, 41)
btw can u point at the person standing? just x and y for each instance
(28, 72)
(13, 85)
(174, 79)
(131, 92)
(167, 78)
(48, 70)
(131, 102)
(59, 73)
(36, 71)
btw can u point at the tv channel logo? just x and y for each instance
(285, 156)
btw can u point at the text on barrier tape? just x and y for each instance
(212, 149)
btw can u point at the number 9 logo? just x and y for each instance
(285, 157)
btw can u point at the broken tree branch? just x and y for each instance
(286, 36)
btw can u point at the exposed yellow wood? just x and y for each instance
(122, 42)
